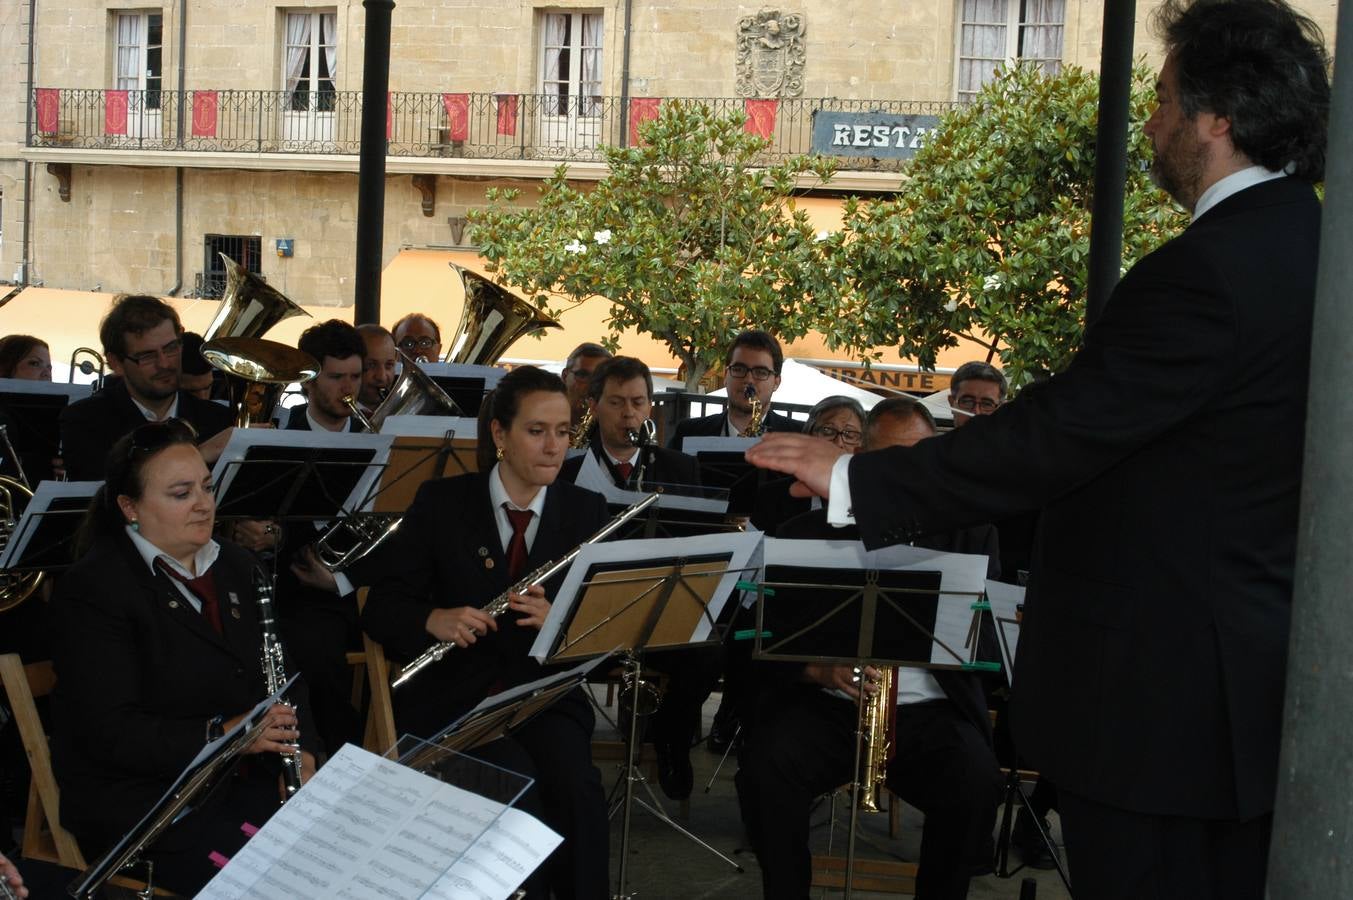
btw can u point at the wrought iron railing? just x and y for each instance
(469, 125)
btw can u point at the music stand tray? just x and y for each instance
(265, 473)
(44, 536)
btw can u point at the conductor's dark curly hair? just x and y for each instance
(1260, 64)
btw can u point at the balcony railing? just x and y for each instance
(466, 125)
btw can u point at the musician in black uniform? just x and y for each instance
(159, 651)
(143, 343)
(754, 359)
(802, 740)
(463, 542)
(341, 354)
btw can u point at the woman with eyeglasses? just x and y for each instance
(157, 653)
(463, 542)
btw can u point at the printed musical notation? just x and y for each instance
(365, 826)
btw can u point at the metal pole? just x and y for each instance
(1106, 215)
(1312, 850)
(371, 169)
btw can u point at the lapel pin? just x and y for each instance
(234, 612)
(483, 551)
(234, 601)
(488, 564)
(173, 604)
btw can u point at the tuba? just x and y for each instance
(15, 587)
(415, 394)
(233, 343)
(492, 320)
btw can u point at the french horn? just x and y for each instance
(15, 587)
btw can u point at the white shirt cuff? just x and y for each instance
(839, 508)
(344, 584)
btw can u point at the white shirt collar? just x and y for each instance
(202, 560)
(632, 459)
(315, 426)
(498, 494)
(1232, 184)
(150, 416)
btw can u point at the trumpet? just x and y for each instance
(499, 605)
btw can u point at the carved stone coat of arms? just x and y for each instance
(770, 55)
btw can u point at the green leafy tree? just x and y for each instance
(988, 239)
(691, 237)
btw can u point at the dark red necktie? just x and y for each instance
(516, 548)
(624, 469)
(204, 589)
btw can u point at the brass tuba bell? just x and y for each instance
(415, 394)
(492, 320)
(249, 307)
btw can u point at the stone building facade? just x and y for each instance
(147, 136)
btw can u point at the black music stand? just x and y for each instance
(676, 514)
(863, 617)
(44, 536)
(638, 597)
(265, 474)
(723, 464)
(32, 412)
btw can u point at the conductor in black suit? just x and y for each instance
(1167, 463)
(463, 542)
(754, 360)
(143, 343)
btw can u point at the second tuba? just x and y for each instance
(492, 320)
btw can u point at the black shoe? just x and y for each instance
(985, 864)
(675, 774)
(722, 733)
(1025, 839)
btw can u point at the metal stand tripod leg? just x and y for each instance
(629, 777)
(723, 759)
(1015, 791)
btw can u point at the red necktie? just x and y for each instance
(624, 469)
(203, 588)
(516, 548)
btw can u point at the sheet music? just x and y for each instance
(365, 826)
(43, 495)
(461, 427)
(962, 578)
(593, 476)
(1004, 598)
(241, 439)
(741, 547)
(693, 445)
(73, 392)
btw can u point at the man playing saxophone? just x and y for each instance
(801, 741)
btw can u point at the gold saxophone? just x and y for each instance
(875, 719)
(578, 439)
(756, 424)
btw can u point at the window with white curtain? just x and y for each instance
(139, 54)
(993, 33)
(310, 60)
(570, 71)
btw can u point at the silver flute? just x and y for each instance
(275, 673)
(498, 605)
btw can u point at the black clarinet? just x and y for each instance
(274, 672)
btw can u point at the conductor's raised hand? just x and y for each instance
(462, 625)
(532, 605)
(807, 458)
(280, 730)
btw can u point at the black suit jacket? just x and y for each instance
(91, 426)
(714, 426)
(1167, 462)
(139, 674)
(449, 555)
(665, 466)
(964, 689)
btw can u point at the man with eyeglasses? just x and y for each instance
(754, 358)
(143, 343)
(976, 389)
(419, 337)
(577, 375)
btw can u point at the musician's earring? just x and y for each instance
(136, 525)
(499, 454)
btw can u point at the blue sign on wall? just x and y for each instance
(874, 134)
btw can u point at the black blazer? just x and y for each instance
(139, 674)
(91, 426)
(1167, 463)
(296, 420)
(448, 554)
(666, 466)
(964, 689)
(714, 426)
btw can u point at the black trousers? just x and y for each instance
(691, 674)
(317, 636)
(805, 746)
(1116, 854)
(555, 748)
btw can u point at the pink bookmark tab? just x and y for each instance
(248, 829)
(217, 859)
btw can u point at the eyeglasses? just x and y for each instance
(760, 373)
(969, 403)
(170, 350)
(581, 374)
(422, 343)
(155, 436)
(848, 436)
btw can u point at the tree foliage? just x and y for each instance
(688, 236)
(990, 233)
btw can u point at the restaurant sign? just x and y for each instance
(873, 134)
